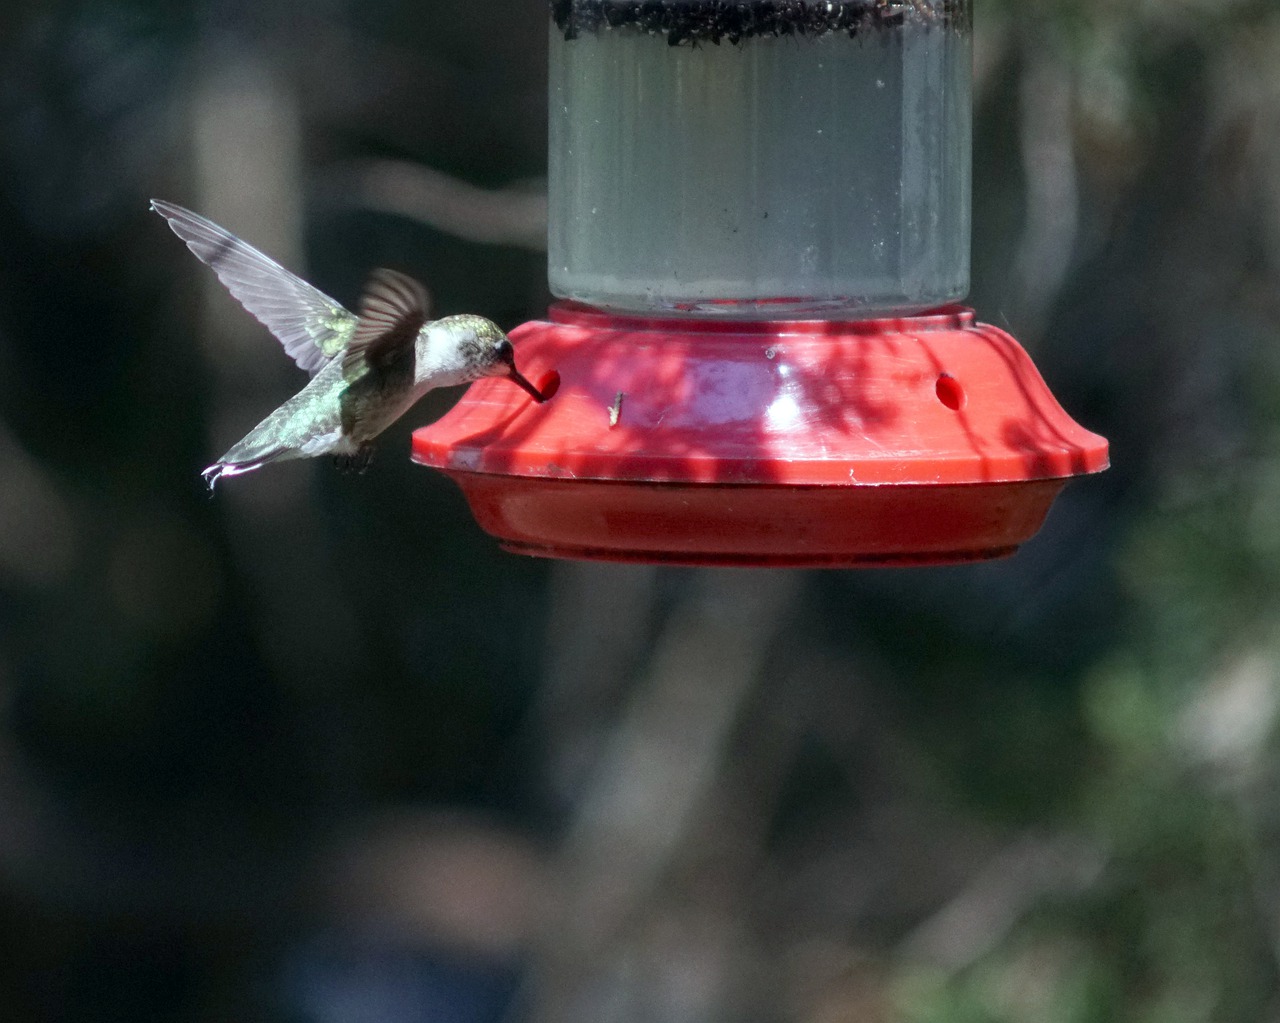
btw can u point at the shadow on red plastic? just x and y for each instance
(927, 439)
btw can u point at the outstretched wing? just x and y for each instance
(392, 311)
(312, 327)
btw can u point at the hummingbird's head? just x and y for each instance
(496, 357)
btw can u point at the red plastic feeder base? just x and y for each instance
(923, 440)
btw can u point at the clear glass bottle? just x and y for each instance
(782, 158)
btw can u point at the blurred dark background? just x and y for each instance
(316, 751)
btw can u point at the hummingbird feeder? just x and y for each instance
(759, 233)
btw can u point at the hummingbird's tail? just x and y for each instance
(212, 475)
(226, 467)
(308, 424)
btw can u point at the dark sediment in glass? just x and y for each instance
(714, 21)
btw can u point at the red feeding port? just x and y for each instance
(928, 439)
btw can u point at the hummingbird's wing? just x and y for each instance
(392, 311)
(312, 327)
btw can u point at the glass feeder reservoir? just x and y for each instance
(761, 160)
(759, 231)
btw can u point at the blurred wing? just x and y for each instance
(392, 311)
(312, 327)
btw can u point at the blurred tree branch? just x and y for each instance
(660, 769)
(515, 215)
(248, 171)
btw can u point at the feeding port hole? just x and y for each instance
(950, 393)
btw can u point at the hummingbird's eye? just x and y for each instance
(503, 349)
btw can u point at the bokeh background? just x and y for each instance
(316, 751)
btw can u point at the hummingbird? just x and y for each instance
(367, 368)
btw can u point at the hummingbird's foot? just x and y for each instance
(356, 463)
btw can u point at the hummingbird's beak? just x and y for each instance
(523, 381)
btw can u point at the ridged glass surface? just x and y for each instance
(776, 176)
